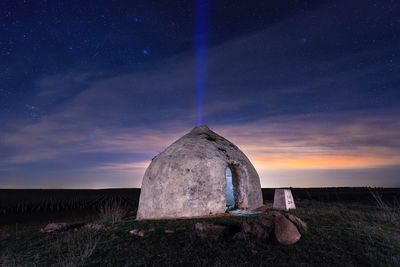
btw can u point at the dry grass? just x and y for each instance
(69, 249)
(340, 234)
(389, 211)
(75, 249)
(113, 212)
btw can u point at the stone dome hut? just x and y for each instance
(188, 178)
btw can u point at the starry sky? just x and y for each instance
(90, 91)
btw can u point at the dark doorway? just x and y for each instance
(230, 196)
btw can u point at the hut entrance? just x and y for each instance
(230, 190)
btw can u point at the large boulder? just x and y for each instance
(286, 232)
(300, 224)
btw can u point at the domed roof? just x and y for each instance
(188, 178)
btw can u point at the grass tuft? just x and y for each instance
(75, 248)
(113, 212)
(389, 211)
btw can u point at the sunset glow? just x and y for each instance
(309, 92)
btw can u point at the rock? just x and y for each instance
(94, 226)
(53, 227)
(300, 224)
(137, 232)
(169, 231)
(240, 236)
(260, 229)
(286, 232)
(205, 230)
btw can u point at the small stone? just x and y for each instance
(137, 232)
(95, 226)
(205, 230)
(300, 224)
(286, 232)
(240, 236)
(53, 227)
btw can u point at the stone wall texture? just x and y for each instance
(188, 179)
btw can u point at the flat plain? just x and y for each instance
(347, 227)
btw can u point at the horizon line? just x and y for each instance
(284, 187)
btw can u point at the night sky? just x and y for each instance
(90, 91)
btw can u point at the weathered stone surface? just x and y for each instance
(53, 227)
(300, 224)
(283, 199)
(188, 179)
(137, 232)
(209, 231)
(286, 232)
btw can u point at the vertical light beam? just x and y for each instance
(201, 54)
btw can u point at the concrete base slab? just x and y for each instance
(244, 212)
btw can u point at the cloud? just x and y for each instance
(289, 105)
(323, 141)
(279, 143)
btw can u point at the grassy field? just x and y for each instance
(350, 233)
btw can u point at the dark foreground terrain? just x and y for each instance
(342, 232)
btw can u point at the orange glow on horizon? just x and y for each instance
(283, 162)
